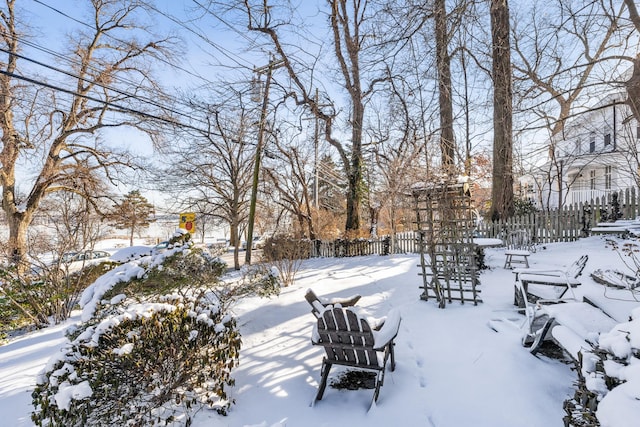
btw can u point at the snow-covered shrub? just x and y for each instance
(156, 344)
(608, 387)
(42, 295)
(152, 364)
(254, 280)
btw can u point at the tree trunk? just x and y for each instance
(234, 239)
(633, 84)
(443, 60)
(633, 89)
(502, 189)
(18, 225)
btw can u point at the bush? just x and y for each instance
(151, 365)
(612, 363)
(36, 298)
(286, 255)
(524, 207)
(157, 344)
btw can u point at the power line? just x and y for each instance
(193, 74)
(116, 107)
(205, 110)
(93, 82)
(233, 57)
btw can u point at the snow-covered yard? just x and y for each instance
(452, 368)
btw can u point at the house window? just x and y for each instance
(607, 177)
(592, 179)
(638, 132)
(577, 147)
(592, 143)
(607, 139)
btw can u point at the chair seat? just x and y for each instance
(518, 252)
(547, 279)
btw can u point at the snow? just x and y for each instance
(68, 392)
(452, 369)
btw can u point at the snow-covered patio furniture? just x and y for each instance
(516, 256)
(349, 340)
(575, 326)
(318, 304)
(559, 281)
(616, 279)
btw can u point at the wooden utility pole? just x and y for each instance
(256, 166)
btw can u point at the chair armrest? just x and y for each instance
(315, 336)
(549, 272)
(388, 331)
(345, 302)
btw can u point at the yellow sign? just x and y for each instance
(188, 221)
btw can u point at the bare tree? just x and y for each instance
(502, 188)
(287, 180)
(398, 151)
(59, 124)
(214, 167)
(359, 46)
(557, 47)
(443, 61)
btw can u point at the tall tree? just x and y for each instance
(360, 48)
(445, 100)
(214, 167)
(133, 213)
(502, 186)
(59, 123)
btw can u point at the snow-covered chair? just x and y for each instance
(318, 304)
(574, 325)
(562, 280)
(519, 247)
(349, 340)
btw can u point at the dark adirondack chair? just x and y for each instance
(349, 340)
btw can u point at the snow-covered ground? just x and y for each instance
(452, 370)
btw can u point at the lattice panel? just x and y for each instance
(448, 260)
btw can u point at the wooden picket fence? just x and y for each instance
(559, 225)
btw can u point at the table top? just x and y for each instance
(487, 242)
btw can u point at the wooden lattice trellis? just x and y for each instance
(445, 228)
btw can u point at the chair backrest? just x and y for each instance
(347, 339)
(577, 267)
(518, 239)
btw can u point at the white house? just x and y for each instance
(597, 154)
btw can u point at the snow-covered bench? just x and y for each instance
(349, 340)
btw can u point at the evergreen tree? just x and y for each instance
(132, 213)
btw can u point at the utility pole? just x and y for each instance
(316, 196)
(256, 166)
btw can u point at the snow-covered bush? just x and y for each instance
(38, 297)
(156, 344)
(608, 387)
(254, 280)
(153, 364)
